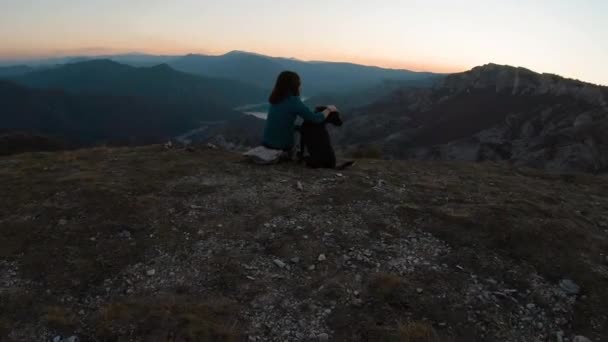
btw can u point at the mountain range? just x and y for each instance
(159, 82)
(317, 77)
(492, 112)
(259, 70)
(81, 99)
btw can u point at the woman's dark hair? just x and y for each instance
(288, 84)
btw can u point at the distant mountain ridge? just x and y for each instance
(160, 82)
(260, 70)
(317, 77)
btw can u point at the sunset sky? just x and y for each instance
(559, 36)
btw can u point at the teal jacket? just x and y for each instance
(280, 123)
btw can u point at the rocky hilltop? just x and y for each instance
(156, 244)
(491, 112)
(521, 81)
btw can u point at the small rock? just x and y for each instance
(194, 206)
(63, 222)
(569, 286)
(322, 257)
(295, 260)
(339, 175)
(151, 272)
(250, 278)
(312, 267)
(559, 336)
(323, 337)
(300, 186)
(419, 290)
(57, 339)
(531, 306)
(279, 263)
(72, 339)
(581, 339)
(211, 146)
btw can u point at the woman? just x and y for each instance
(285, 106)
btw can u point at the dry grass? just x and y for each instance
(385, 286)
(170, 318)
(417, 332)
(60, 318)
(367, 152)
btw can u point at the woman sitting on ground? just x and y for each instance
(285, 107)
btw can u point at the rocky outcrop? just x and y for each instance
(521, 81)
(493, 112)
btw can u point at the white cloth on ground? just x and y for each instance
(264, 156)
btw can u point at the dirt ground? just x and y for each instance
(149, 244)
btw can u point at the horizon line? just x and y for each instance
(67, 55)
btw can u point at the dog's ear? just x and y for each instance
(334, 119)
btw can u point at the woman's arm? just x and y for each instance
(303, 111)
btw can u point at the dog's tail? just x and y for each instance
(345, 165)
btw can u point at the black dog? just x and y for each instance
(315, 139)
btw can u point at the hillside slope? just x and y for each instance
(16, 70)
(85, 119)
(150, 244)
(492, 112)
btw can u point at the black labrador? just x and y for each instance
(315, 140)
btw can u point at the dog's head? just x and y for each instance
(333, 117)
